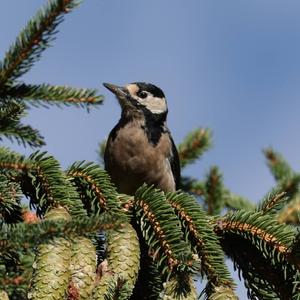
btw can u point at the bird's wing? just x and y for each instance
(175, 164)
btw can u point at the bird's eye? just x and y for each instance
(142, 95)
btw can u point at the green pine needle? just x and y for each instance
(290, 185)
(290, 214)
(296, 287)
(42, 179)
(200, 233)
(34, 39)
(262, 279)
(279, 167)
(27, 235)
(194, 145)
(193, 186)
(11, 111)
(280, 196)
(261, 249)
(57, 95)
(295, 250)
(161, 231)
(150, 280)
(101, 151)
(258, 226)
(10, 198)
(15, 272)
(234, 202)
(22, 134)
(273, 201)
(94, 187)
(214, 196)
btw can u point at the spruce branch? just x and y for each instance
(201, 235)
(279, 167)
(235, 202)
(10, 195)
(273, 201)
(22, 134)
(257, 226)
(291, 207)
(260, 248)
(101, 151)
(15, 273)
(42, 179)
(290, 214)
(290, 185)
(214, 200)
(54, 94)
(149, 281)
(126, 202)
(194, 145)
(227, 198)
(33, 40)
(193, 186)
(262, 278)
(11, 110)
(295, 248)
(27, 235)
(94, 187)
(296, 286)
(161, 231)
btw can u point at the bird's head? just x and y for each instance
(140, 98)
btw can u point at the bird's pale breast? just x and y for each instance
(132, 160)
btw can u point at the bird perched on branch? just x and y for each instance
(140, 148)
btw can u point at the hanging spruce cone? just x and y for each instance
(119, 271)
(51, 267)
(83, 267)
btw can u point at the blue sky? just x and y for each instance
(232, 66)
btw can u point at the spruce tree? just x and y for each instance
(80, 239)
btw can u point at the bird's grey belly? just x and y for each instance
(130, 165)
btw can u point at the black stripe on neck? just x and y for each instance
(154, 126)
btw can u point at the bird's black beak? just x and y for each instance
(117, 90)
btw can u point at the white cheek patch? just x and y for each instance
(155, 105)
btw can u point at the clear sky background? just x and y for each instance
(232, 66)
